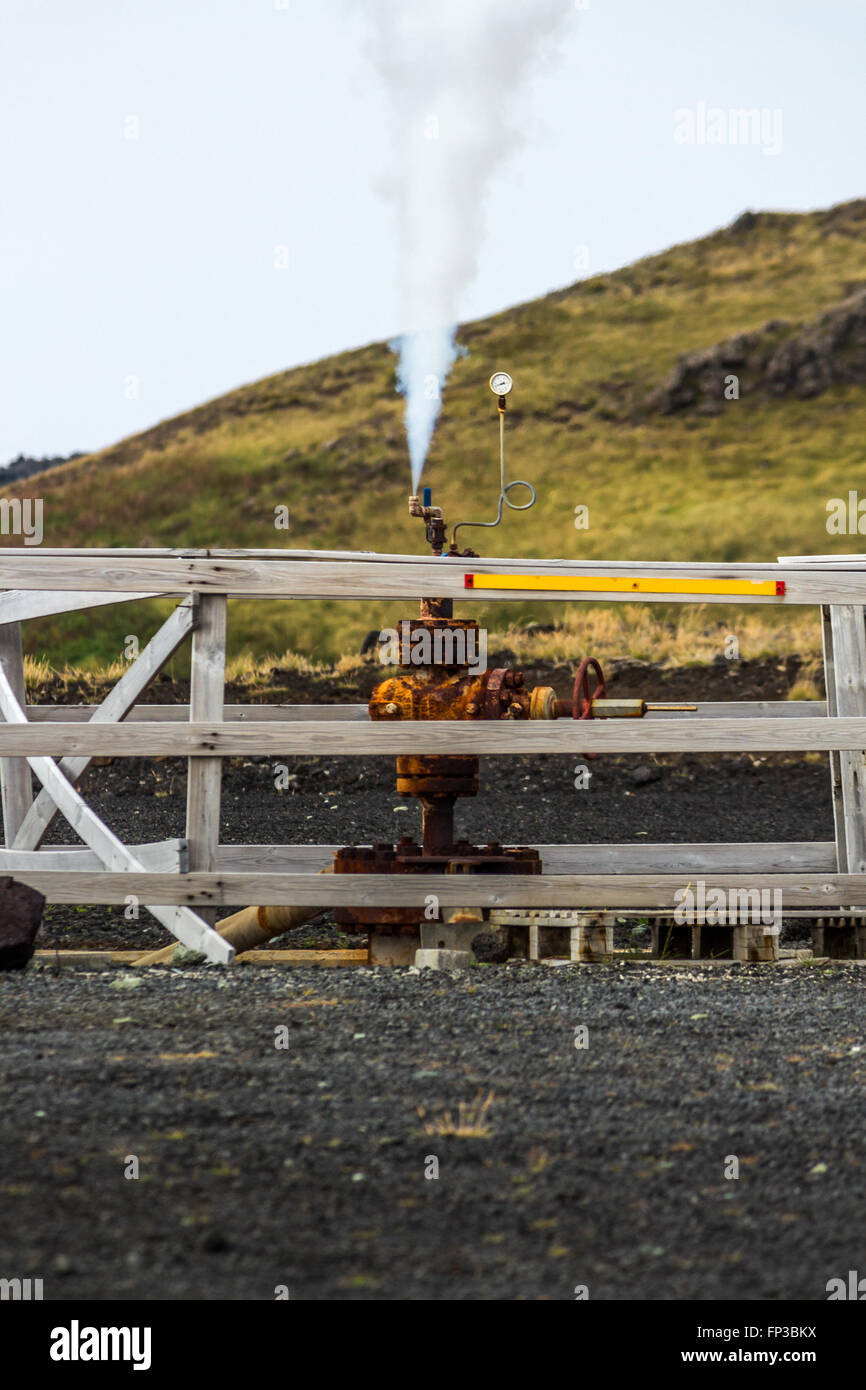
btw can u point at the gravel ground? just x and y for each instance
(305, 1167)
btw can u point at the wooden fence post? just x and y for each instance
(206, 697)
(844, 634)
(14, 772)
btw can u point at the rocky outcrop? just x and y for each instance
(779, 359)
(24, 466)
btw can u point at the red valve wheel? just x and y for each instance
(581, 702)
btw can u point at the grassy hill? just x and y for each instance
(665, 473)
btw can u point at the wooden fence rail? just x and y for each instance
(150, 738)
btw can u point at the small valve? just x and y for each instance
(434, 522)
(592, 703)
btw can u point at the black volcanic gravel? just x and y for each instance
(305, 1167)
(601, 1166)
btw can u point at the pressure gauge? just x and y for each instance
(500, 383)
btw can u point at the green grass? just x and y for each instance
(327, 441)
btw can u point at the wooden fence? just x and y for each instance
(183, 881)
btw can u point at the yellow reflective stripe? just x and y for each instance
(618, 585)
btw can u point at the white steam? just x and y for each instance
(451, 69)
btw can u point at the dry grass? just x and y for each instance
(246, 671)
(805, 689)
(690, 635)
(687, 636)
(471, 1121)
(249, 669)
(39, 673)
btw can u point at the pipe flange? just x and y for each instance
(496, 697)
(542, 702)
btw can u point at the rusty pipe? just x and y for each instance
(544, 704)
(250, 927)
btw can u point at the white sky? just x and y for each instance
(262, 123)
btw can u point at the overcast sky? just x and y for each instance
(155, 156)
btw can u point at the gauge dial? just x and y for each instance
(500, 383)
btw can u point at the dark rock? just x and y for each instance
(645, 773)
(214, 1243)
(490, 948)
(20, 918)
(746, 222)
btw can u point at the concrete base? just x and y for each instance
(436, 959)
(455, 935)
(392, 950)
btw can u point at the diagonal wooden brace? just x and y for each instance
(182, 922)
(114, 707)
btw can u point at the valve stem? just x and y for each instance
(434, 522)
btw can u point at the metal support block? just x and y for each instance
(591, 939)
(755, 943)
(839, 939)
(547, 942)
(537, 933)
(557, 933)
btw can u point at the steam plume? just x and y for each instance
(450, 68)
